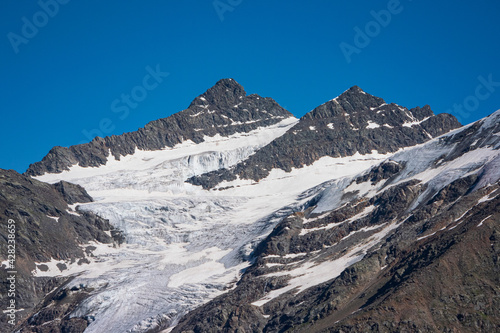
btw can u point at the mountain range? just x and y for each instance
(234, 216)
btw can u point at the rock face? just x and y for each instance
(224, 109)
(46, 229)
(354, 122)
(410, 245)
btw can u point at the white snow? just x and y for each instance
(372, 124)
(415, 122)
(196, 114)
(481, 223)
(326, 227)
(486, 198)
(72, 212)
(183, 244)
(326, 168)
(272, 264)
(333, 196)
(308, 220)
(147, 169)
(98, 265)
(311, 273)
(485, 160)
(423, 237)
(367, 210)
(196, 274)
(5, 263)
(55, 218)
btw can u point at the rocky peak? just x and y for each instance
(355, 98)
(350, 101)
(354, 122)
(225, 93)
(224, 109)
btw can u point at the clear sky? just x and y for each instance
(67, 66)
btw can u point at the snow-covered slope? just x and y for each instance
(184, 245)
(472, 149)
(328, 260)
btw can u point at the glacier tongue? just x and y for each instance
(184, 245)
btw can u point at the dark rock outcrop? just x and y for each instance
(354, 122)
(46, 228)
(72, 193)
(224, 109)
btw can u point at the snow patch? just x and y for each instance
(423, 237)
(372, 124)
(415, 122)
(73, 212)
(55, 218)
(481, 223)
(196, 114)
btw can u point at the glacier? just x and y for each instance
(184, 245)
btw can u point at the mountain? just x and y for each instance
(410, 245)
(354, 122)
(232, 217)
(224, 109)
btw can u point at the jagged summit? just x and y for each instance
(352, 91)
(354, 122)
(352, 100)
(224, 109)
(226, 92)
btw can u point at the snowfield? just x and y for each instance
(184, 245)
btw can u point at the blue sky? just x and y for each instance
(65, 68)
